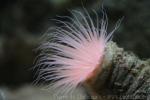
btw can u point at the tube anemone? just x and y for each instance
(73, 53)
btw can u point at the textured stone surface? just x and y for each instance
(36, 93)
(124, 75)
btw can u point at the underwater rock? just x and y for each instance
(124, 76)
